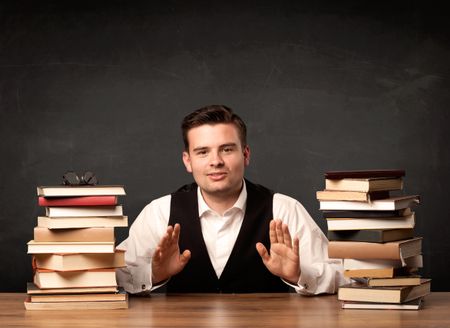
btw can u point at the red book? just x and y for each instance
(78, 201)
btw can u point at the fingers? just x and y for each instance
(262, 251)
(185, 257)
(279, 233)
(296, 246)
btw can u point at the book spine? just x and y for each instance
(363, 250)
(79, 201)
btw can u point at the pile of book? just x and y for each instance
(372, 230)
(74, 255)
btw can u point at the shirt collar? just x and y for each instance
(239, 204)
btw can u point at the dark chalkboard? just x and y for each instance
(103, 86)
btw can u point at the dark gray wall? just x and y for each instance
(104, 86)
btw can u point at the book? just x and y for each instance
(353, 264)
(71, 191)
(88, 297)
(366, 214)
(364, 185)
(357, 196)
(395, 250)
(412, 280)
(411, 305)
(397, 294)
(78, 201)
(362, 174)
(373, 236)
(78, 234)
(377, 268)
(412, 262)
(388, 204)
(44, 247)
(403, 222)
(377, 273)
(72, 262)
(84, 211)
(82, 222)
(32, 289)
(71, 279)
(97, 305)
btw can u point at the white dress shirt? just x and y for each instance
(318, 275)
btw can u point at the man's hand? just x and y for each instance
(167, 260)
(283, 260)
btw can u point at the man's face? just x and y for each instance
(216, 159)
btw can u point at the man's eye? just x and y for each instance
(201, 152)
(227, 149)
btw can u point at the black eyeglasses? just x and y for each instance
(70, 178)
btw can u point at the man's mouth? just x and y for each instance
(217, 175)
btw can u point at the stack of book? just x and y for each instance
(74, 255)
(372, 230)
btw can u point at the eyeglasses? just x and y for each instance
(70, 178)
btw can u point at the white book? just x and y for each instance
(81, 222)
(388, 204)
(70, 191)
(35, 247)
(83, 211)
(75, 279)
(406, 222)
(354, 264)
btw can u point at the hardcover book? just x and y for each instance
(372, 236)
(71, 191)
(361, 293)
(381, 173)
(82, 222)
(395, 250)
(77, 261)
(389, 204)
(78, 201)
(78, 234)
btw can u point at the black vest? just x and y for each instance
(244, 272)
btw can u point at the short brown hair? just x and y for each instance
(213, 114)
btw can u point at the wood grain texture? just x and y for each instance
(244, 310)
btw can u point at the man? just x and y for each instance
(217, 235)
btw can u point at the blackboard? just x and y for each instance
(103, 86)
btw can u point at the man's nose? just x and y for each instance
(216, 159)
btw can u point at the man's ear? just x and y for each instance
(187, 161)
(246, 155)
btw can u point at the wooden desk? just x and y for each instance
(245, 310)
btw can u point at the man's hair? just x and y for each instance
(213, 114)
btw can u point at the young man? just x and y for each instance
(217, 234)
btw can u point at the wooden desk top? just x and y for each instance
(224, 310)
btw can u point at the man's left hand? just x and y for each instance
(283, 260)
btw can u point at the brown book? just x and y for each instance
(399, 294)
(362, 174)
(75, 279)
(357, 196)
(46, 247)
(97, 305)
(82, 222)
(32, 289)
(395, 250)
(91, 297)
(378, 273)
(81, 234)
(364, 185)
(72, 262)
(395, 281)
(411, 305)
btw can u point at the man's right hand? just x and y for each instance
(167, 260)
